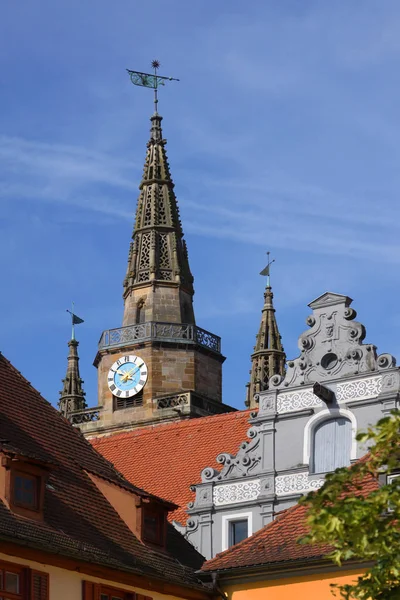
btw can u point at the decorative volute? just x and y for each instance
(158, 253)
(268, 358)
(333, 347)
(72, 396)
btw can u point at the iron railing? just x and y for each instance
(155, 331)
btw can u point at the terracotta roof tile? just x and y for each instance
(277, 542)
(166, 459)
(78, 519)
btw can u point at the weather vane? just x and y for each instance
(150, 80)
(75, 320)
(265, 272)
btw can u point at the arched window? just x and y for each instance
(140, 312)
(331, 445)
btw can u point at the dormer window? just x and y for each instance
(145, 515)
(154, 523)
(24, 484)
(25, 490)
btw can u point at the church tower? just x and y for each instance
(268, 358)
(159, 365)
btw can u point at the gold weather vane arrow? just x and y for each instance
(150, 80)
(265, 272)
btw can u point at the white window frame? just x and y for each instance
(391, 477)
(227, 519)
(325, 415)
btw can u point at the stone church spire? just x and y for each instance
(72, 396)
(158, 255)
(268, 358)
(159, 365)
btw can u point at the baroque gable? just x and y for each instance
(333, 347)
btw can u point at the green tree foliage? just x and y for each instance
(363, 526)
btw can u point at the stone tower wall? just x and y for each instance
(160, 302)
(170, 370)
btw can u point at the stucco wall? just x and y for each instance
(67, 585)
(314, 587)
(289, 437)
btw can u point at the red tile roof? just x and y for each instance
(79, 522)
(166, 459)
(277, 542)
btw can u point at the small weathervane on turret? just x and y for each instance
(266, 272)
(75, 320)
(150, 80)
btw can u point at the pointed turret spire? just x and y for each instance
(72, 396)
(268, 357)
(158, 255)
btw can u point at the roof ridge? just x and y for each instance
(147, 429)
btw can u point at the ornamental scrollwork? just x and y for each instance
(349, 391)
(359, 390)
(233, 493)
(386, 361)
(296, 483)
(209, 474)
(292, 401)
(246, 462)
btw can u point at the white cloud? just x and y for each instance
(58, 173)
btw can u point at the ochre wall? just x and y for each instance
(312, 587)
(67, 585)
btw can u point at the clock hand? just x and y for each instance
(135, 371)
(125, 375)
(132, 372)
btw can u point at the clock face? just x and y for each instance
(127, 376)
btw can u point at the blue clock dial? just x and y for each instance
(127, 376)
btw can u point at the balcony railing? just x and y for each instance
(189, 401)
(87, 415)
(164, 332)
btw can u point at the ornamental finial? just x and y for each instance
(150, 80)
(266, 272)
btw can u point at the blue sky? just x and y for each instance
(283, 135)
